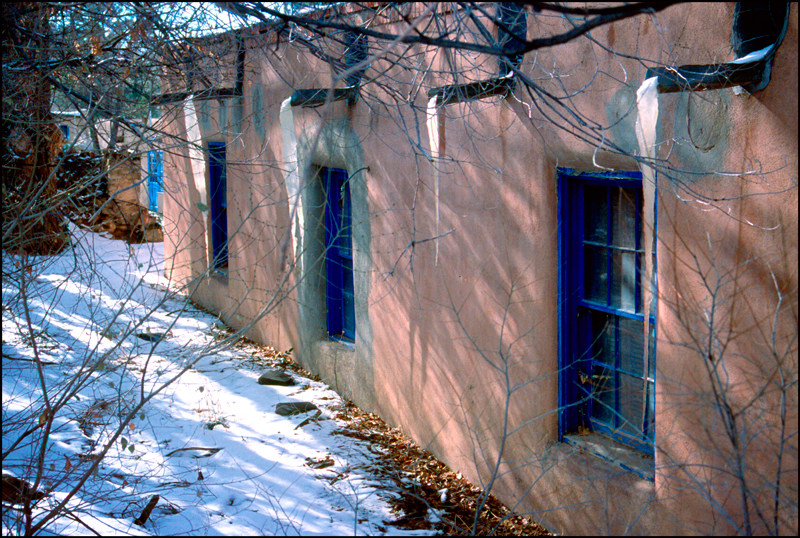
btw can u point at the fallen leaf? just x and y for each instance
(43, 417)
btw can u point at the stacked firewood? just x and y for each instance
(90, 202)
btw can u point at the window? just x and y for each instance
(64, 131)
(356, 51)
(514, 18)
(339, 255)
(606, 387)
(757, 25)
(154, 179)
(218, 190)
(758, 30)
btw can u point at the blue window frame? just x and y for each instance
(218, 207)
(65, 131)
(154, 178)
(604, 387)
(339, 255)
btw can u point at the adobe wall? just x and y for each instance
(441, 343)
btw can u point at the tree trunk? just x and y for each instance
(31, 141)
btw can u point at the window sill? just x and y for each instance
(220, 274)
(615, 453)
(346, 343)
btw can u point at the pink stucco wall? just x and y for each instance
(440, 344)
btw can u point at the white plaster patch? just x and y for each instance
(292, 180)
(437, 144)
(647, 107)
(196, 156)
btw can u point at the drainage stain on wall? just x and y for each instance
(702, 127)
(705, 119)
(257, 107)
(621, 113)
(204, 115)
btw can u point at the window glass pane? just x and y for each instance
(643, 282)
(345, 242)
(623, 282)
(603, 338)
(595, 208)
(603, 394)
(631, 401)
(631, 346)
(651, 412)
(595, 274)
(347, 275)
(623, 207)
(348, 314)
(651, 363)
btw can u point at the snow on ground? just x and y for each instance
(210, 444)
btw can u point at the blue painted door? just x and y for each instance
(154, 178)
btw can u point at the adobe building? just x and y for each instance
(462, 248)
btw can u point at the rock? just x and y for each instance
(287, 409)
(275, 377)
(17, 491)
(151, 337)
